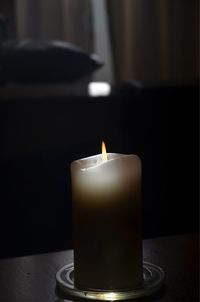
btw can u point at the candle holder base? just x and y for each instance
(153, 277)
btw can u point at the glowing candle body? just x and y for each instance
(107, 222)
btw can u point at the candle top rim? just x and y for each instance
(84, 165)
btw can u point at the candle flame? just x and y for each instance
(104, 153)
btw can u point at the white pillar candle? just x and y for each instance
(107, 222)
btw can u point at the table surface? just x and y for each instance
(32, 278)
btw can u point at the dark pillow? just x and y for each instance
(31, 61)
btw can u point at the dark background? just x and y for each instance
(40, 138)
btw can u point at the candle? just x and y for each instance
(106, 191)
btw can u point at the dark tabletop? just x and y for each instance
(32, 278)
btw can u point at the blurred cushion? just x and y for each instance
(31, 61)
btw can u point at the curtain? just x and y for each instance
(154, 40)
(102, 43)
(67, 20)
(81, 22)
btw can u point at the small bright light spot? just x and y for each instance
(99, 89)
(111, 296)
